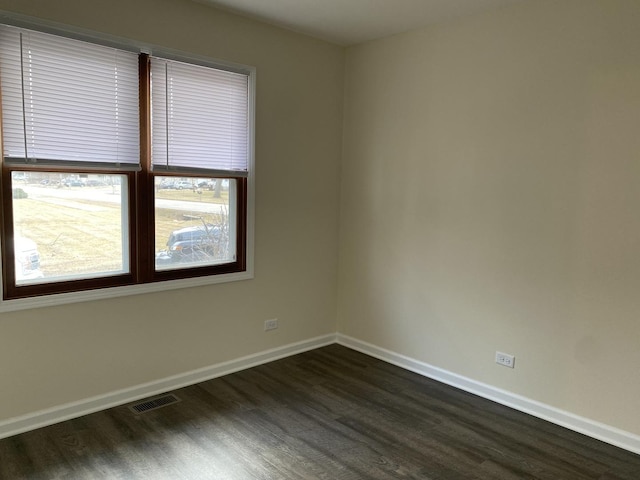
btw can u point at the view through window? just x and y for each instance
(193, 221)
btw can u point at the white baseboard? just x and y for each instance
(43, 418)
(68, 411)
(591, 428)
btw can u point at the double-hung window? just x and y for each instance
(119, 168)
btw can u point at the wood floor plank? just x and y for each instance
(327, 414)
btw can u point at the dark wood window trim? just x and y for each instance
(11, 290)
(141, 222)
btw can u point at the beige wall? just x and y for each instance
(489, 202)
(490, 196)
(51, 356)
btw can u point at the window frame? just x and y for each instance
(143, 277)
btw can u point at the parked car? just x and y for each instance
(190, 244)
(72, 182)
(95, 183)
(182, 185)
(27, 259)
(206, 184)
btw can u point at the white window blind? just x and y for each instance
(200, 119)
(68, 101)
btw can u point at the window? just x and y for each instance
(119, 168)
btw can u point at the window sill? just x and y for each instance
(115, 292)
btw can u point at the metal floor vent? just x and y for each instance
(154, 403)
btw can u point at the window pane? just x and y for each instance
(69, 226)
(195, 223)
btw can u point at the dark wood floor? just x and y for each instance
(331, 414)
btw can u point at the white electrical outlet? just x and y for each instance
(505, 359)
(270, 324)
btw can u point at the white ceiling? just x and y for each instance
(348, 22)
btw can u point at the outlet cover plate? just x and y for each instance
(505, 359)
(271, 324)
